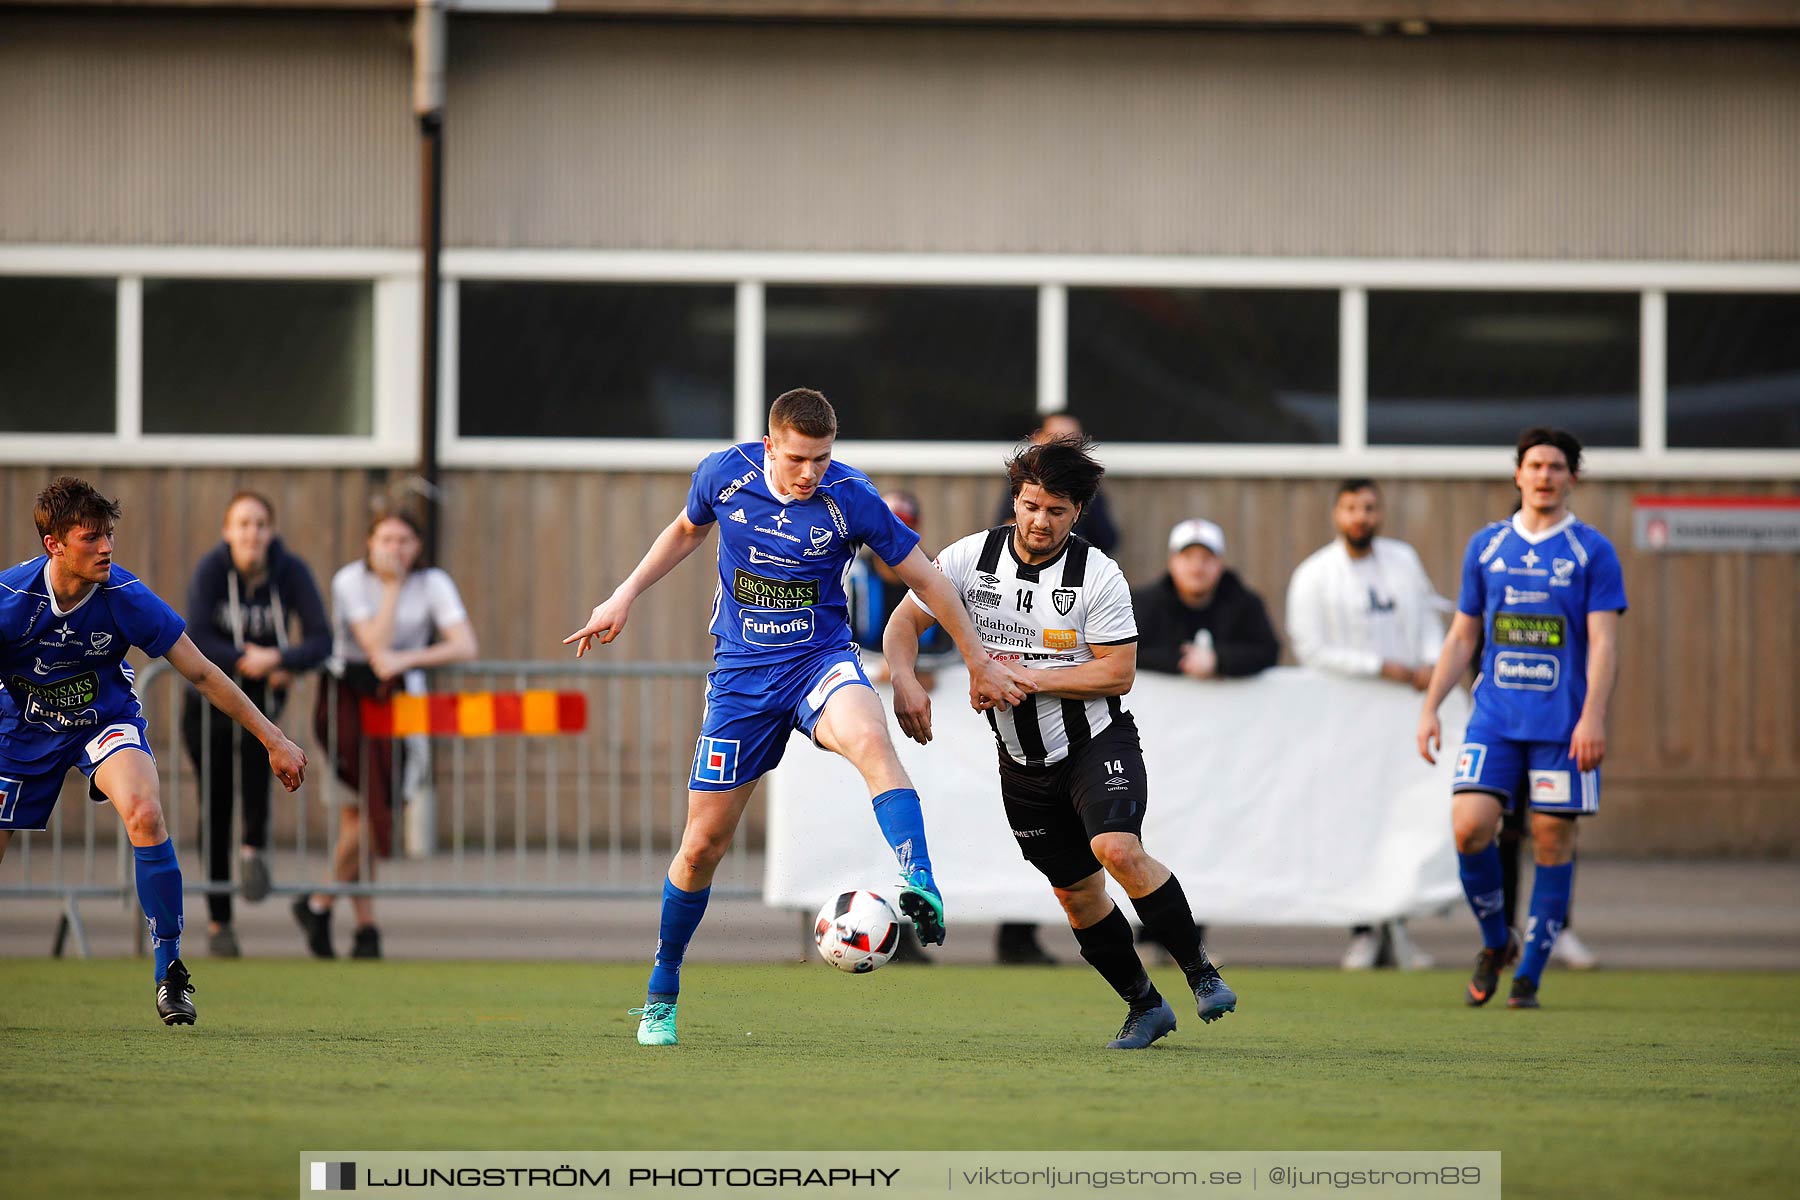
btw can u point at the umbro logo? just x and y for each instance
(739, 517)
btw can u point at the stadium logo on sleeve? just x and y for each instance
(716, 760)
(1064, 599)
(334, 1177)
(731, 489)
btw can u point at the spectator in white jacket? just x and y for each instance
(1364, 606)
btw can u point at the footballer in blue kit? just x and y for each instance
(67, 618)
(790, 522)
(1541, 596)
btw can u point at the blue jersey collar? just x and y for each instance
(1537, 539)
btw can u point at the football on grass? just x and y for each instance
(857, 932)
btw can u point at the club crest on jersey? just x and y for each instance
(100, 641)
(1064, 599)
(1562, 571)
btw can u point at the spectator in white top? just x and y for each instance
(386, 609)
(1364, 606)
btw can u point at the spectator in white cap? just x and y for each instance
(1199, 619)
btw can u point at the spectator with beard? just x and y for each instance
(1363, 606)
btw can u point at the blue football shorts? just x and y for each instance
(751, 710)
(28, 790)
(1543, 773)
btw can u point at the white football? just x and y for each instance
(857, 932)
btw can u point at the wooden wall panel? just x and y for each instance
(1704, 729)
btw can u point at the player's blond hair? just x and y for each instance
(805, 412)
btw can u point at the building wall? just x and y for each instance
(563, 132)
(1704, 753)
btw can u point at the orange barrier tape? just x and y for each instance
(476, 714)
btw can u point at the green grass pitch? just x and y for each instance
(1625, 1084)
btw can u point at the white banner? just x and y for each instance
(1295, 798)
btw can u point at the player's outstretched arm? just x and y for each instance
(286, 760)
(1453, 660)
(1588, 744)
(991, 683)
(900, 646)
(680, 539)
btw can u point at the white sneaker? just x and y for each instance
(1407, 953)
(1361, 952)
(1572, 952)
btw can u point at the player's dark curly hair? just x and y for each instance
(1063, 466)
(805, 411)
(71, 503)
(1543, 435)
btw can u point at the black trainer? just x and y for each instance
(172, 992)
(1488, 965)
(368, 943)
(316, 926)
(1524, 993)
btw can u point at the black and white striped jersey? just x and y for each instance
(1045, 616)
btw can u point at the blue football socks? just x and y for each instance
(159, 893)
(681, 913)
(1482, 884)
(903, 825)
(1549, 912)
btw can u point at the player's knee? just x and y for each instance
(1121, 854)
(143, 819)
(703, 849)
(1472, 837)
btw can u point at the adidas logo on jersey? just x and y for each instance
(1499, 564)
(740, 518)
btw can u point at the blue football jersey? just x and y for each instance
(1533, 595)
(64, 674)
(782, 561)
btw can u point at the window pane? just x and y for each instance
(904, 363)
(595, 360)
(1734, 371)
(1476, 368)
(258, 356)
(58, 349)
(1204, 365)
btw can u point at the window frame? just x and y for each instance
(395, 275)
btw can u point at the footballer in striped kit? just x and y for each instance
(1071, 770)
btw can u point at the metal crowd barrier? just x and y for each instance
(592, 813)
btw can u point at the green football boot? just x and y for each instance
(920, 902)
(656, 1024)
